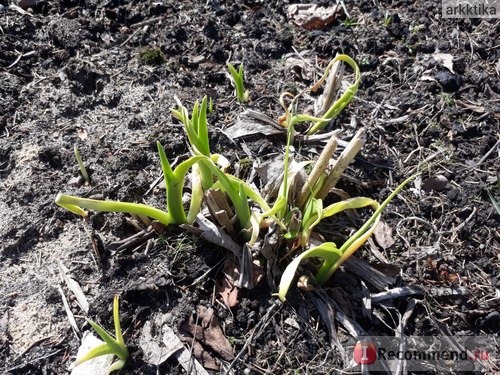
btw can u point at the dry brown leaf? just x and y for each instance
(383, 235)
(312, 16)
(473, 107)
(205, 328)
(204, 357)
(226, 287)
(444, 59)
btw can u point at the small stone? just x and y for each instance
(76, 181)
(450, 82)
(436, 183)
(26, 4)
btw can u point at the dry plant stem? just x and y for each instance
(318, 170)
(344, 99)
(220, 210)
(342, 163)
(332, 86)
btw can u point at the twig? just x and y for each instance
(31, 346)
(461, 225)
(131, 36)
(400, 292)
(136, 239)
(23, 365)
(148, 22)
(490, 151)
(420, 220)
(27, 54)
(425, 161)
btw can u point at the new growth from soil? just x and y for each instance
(104, 76)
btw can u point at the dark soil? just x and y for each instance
(103, 76)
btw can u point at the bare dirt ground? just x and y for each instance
(81, 72)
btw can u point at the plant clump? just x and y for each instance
(241, 209)
(152, 56)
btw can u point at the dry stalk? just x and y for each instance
(220, 210)
(332, 87)
(340, 165)
(318, 170)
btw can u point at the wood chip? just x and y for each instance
(312, 16)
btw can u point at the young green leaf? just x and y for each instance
(77, 205)
(174, 181)
(196, 129)
(81, 165)
(112, 345)
(238, 79)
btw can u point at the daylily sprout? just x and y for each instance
(81, 165)
(295, 216)
(111, 345)
(332, 256)
(238, 79)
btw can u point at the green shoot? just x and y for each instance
(174, 181)
(76, 205)
(291, 119)
(196, 129)
(210, 105)
(238, 79)
(350, 22)
(81, 165)
(344, 99)
(111, 345)
(387, 19)
(238, 191)
(332, 256)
